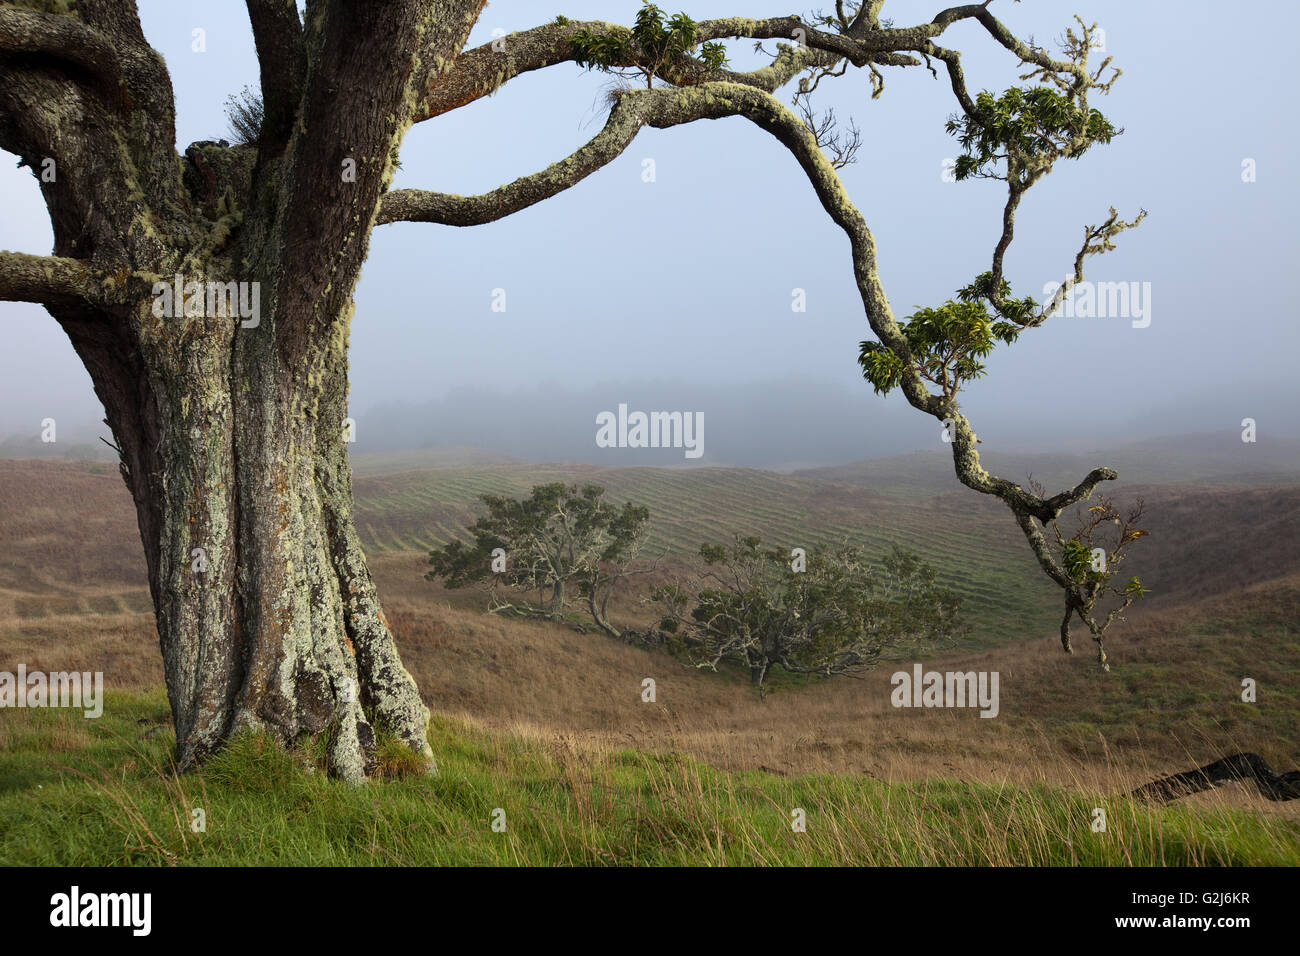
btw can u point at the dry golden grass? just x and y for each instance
(1062, 721)
(78, 601)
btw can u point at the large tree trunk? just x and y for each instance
(266, 612)
(231, 433)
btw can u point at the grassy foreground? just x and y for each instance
(98, 792)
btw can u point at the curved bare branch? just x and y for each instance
(628, 116)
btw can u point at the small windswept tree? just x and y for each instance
(832, 615)
(559, 542)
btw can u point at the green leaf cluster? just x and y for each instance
(1076, 558)
(947, 345)
(653, 41)
(1025, 124)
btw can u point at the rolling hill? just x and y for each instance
(1223, 561)
(69, 546)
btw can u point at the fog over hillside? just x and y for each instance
(778, 424)
(703, 319)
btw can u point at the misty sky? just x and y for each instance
(679, 291)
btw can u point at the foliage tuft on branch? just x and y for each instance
(653, 42)
(246, 115)
(947, 344)
(1025, 129)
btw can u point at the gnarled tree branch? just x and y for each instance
(45, 280)
(628, 116)
(61, 40)
(483, 70)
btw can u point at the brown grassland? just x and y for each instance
(1227, 606)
